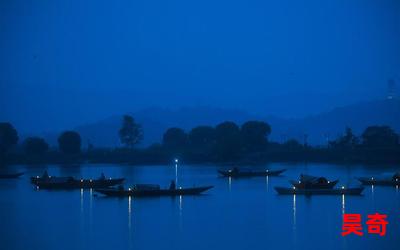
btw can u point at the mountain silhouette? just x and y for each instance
(318, 128)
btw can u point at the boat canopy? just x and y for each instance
(313, 179)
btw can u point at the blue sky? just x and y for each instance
(65, 63)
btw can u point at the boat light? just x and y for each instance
(294, 187)
(180, 187)
(397, 179)
(266, 171)
(90, 180)
(37, 177)
(229, 170)
(372, 178)
(129, 189)
(342, 187)
(50, 176)
(299, 181)
(176, 160)
(110, 178)
(81, 180)
(329, 182)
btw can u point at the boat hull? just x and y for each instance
(79, 184)
(251, 174)
(339, 191)
(153, 193)
(301, 185)
(379, 182)
(10, 176)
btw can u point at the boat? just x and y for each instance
(313, 191)
(379, 181)
(308, 181)
(72, 183)
(11, 176)
(52, 182)
(236, 173)
(142, 191)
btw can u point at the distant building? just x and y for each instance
(391, 90)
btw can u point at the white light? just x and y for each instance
(329, 182)
(50, 176)
(110, 178)
(90, 180)
(176, 160)
(37, 177)
(342, 187)
(294, 187)
(81, 180)
(180, 187)
(129, 189)
(266, 171)
(299, 181)
(372, 178)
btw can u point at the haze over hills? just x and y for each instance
(318, 128)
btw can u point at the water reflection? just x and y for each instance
(130, 222)
(343, 204)
(373, 196)
(267, 181)
(129, 213)
(230, 183)
(294, 212)
(294, 222)
(81, 200)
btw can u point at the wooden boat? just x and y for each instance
(336, 191)
(72, 183)
(379, 181)
(308, 181)
(11, 176)
(118, 192)
(235, 173)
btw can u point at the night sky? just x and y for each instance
(65, 63)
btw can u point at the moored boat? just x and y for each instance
(51, 182)
(136, 191)
(384, 180)
(313, 182)
(11, 176)
(236, 173)
(335, 191)
(379, 181)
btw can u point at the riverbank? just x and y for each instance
(154, 156)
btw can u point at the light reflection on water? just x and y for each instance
(248, 208)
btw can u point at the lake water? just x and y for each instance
(235, 214)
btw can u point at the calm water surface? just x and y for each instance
(236, 214)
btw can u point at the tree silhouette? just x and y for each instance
(35, 146)
(130, 133)
(175, 138)
(228, 141)
(202, 137)
(347, 141)
(8, 136)
(292, 144)
(255, 135)
(69, 142)
(380, 136)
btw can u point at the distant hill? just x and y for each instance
(332, 124)
(318, 128)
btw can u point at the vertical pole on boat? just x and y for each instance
(176, 171)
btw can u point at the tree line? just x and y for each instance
(224, 142)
